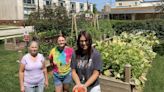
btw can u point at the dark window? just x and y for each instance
(33, 1)
(89, 7)
(72, 6)
(48, 2)
(120, 4)
(24, 1)
(81, 6)
(61, 4)
(29, 1)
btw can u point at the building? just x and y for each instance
(135, 10)
(106, 10)
(15, 11)
(70, 5)
(11, 11)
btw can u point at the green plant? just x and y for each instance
(159, 48)
(120, 26)
(45, 48)
(135, 49)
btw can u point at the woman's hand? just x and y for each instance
(46, 84)
(22, 89)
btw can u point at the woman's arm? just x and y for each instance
(75, 77)
(92, 79)
(45, 74)
(21, 77)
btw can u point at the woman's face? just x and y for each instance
(83, 43)
(33, 48)
(61, 41)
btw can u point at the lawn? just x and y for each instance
(9, 72)
(155, 82)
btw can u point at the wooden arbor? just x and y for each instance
(92, 17)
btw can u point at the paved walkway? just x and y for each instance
(18, 31)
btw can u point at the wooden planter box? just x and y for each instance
(113, 85)
(110, 84)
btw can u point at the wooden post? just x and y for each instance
(20, 55)
(5, 40)
(97, 21)
(14, 42)
(127, 73)
(74, 26)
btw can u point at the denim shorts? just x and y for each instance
(63, 80)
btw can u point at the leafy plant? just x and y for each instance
(128, 48)
(45, 48)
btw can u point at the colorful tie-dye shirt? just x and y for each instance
(61, 61)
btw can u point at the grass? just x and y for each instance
(9, 72)
(10, 83)
(155, 76)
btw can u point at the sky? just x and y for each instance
(99, 3)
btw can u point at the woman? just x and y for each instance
(86, 64)
(60, 58)
(32, 70)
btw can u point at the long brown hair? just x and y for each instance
(89, 44)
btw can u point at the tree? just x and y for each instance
(94, 9)
(51, 20)
(63, 23)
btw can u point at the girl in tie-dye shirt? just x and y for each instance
(60, 58)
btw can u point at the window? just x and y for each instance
(81, 6)
(33, 1)
(61, 4)
(120, 4)
(48, 2)
(89, 7)
(72, 6)
(29, 1)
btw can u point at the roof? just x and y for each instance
(130, 10)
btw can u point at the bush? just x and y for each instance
(135, 49)
(130, 26)
(159, 48)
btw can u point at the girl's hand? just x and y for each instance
(80, 88)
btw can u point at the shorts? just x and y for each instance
(39, 88)
(63, 80)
